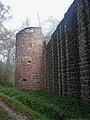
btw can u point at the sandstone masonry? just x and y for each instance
(29, 57)
(68, 54)
(63, 65)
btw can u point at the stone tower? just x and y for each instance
(30, 59)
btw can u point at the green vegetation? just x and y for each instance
(43, 105)
(6, 80)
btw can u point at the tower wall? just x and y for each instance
(29, 56)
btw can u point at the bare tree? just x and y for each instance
(4, 13)
(49, 25)
(39, 20)
(25, 24)
(8, 55)
(7, 40)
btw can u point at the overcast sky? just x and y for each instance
(22, 9)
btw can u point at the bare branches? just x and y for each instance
(4, 13)
(25, 24)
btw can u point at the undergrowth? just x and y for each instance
(43, 105)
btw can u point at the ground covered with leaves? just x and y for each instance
(43, 105)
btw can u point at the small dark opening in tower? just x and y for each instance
(29, 61)
(24, 79)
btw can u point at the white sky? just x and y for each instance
(22, 9)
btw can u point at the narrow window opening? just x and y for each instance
(24, 79)
(29, 61)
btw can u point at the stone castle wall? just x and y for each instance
(65, 69)
(68, 54)
(29, 57)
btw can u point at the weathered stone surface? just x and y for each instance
(65, 69)
(68, 54)
(30, 59)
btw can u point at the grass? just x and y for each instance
(22, 108)
(43, 105)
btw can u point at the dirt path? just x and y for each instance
(6, 113)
